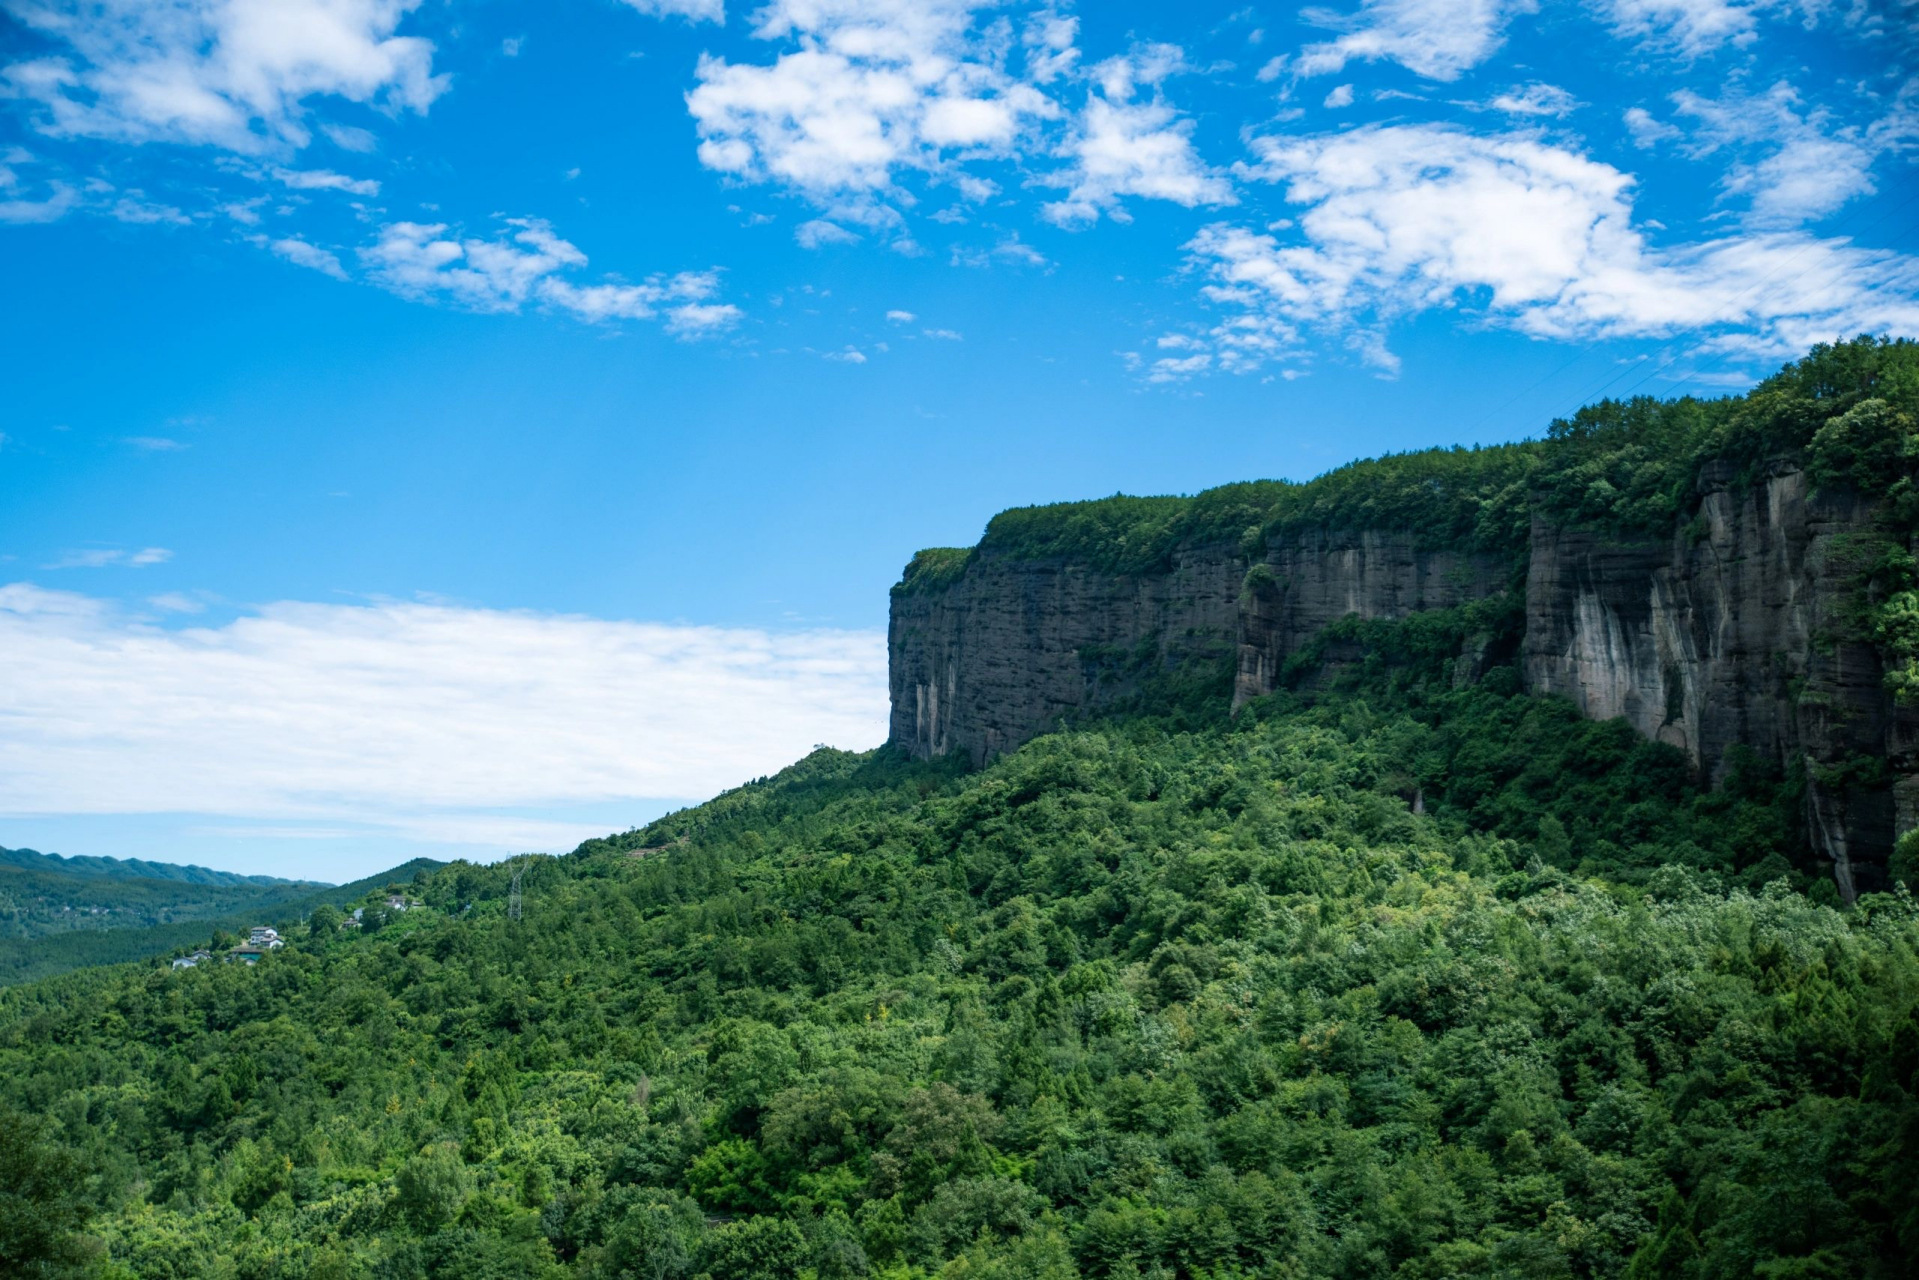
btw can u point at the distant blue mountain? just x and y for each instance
(135, 869)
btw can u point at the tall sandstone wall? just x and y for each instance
(1724, 634)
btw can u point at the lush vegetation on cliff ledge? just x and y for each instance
(1847, 411)
(1405, 982)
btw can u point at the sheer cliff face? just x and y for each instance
(1015, 645)
(1315, 579)
(1725, 634)
(1730, 634)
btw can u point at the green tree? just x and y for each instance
(42, 1208)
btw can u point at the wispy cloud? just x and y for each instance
(400, 714)
(1396, 221)
(1690, 27)
(531, 264)
(1437, 39)
(869, 91)
(819, 231)
(325, 180)
(1129, 141)
(302, 253)
(692, 10)
(237, 76)
(155, 444)
(109, 557)
(1793, 164)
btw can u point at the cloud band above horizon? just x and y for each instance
(406, 715)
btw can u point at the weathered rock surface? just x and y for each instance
(1313, 580)
(1015, 645)
(1731, 634)
(1728, 633)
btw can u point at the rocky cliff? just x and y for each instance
(1734, 633)
(1729, 632)
(1015, 645)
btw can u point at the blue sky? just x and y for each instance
(464, 425)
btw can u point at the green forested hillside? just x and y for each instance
(97, 868)
(60, 914)
(1400, 980)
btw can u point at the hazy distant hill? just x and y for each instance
(131, 869)
(59, 914)
(43, 893)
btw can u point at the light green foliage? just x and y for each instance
(1867, 447)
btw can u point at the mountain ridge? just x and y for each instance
(100, 867)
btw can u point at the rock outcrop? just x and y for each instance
(1728, 633)
(1016, 645)
(1732, 633)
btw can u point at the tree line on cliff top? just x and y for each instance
(1848, 412)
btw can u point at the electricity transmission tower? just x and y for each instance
(513, 897)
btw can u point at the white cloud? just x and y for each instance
(697, 319)
(901, 317)
(350, 138)
(874, 87)
(1178, 368)
(1647, 130)
(176, 602)
(1340, 97)
(59, 200)
(1121, 147)
(417, 260)
(326, 180)
(1810, 169)
(813, 234)
(155, 444)
(302, 254)
(1400, 220)
(1535, 99)
(422, 261)
(691, 10)
(946, 335)
(231, 73)
(403, 714)
(1691, 27)
(1437, 39)
(133, 207)
(109, 557)
(851, 355)
(1011, 249)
